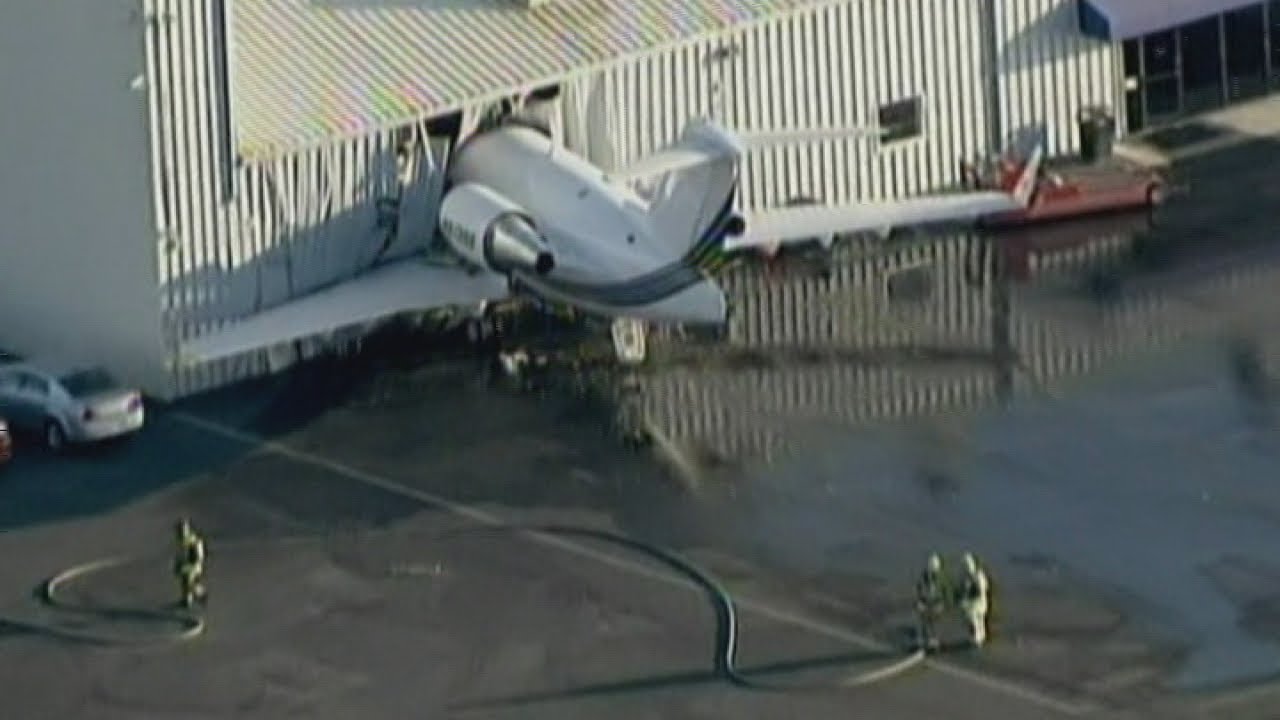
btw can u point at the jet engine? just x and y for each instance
(736, 226)
(488, 230)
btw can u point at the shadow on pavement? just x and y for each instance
(688, 678)
(40, 487)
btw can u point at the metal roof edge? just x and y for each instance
(251, 157)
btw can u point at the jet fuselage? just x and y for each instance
(607, 259)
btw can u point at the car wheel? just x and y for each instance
(55, 438)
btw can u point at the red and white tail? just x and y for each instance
(1025, 185)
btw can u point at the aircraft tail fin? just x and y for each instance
(691, 211)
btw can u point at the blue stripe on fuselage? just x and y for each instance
(652, 287)
(713, 238)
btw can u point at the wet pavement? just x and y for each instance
(1097, 421)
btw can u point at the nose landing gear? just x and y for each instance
(629, 340)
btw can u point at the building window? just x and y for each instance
(900, 120)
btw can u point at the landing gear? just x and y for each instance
(483, 326)
(629, 340)
(479, 330)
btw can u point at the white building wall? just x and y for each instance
(77, 239)
(1048, 70)
(985, 68)
(243, 238)
(833, 67)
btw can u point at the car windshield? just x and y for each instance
(87, 382)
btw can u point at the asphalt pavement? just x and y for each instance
(344, 588)
(370, 550)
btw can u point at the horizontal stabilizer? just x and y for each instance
(763, 139)
(705, 141)
(401, 286)
(672, 159)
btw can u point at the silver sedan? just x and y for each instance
(79, 405)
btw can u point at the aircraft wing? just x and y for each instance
(779, 226)
(400, 286)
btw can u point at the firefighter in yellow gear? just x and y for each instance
(931, 601)
(975, 599)
(189, 565)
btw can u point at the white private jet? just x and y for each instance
(529, 218)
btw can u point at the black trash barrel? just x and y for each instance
(1097, 134)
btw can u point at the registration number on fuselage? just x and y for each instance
(459, 233)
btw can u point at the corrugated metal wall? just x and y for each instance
(243, 238)
(1048, 70)
(834, 67)
(246, 238)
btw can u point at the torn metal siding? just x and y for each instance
(312, 73)
(1048, 70)
(236, 239)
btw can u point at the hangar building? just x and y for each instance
(173, 164)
